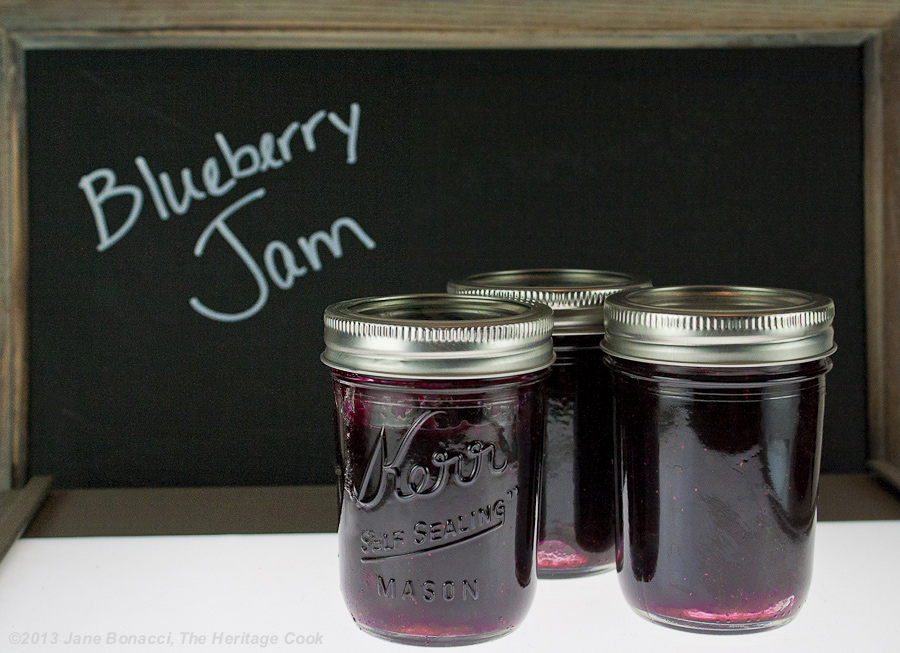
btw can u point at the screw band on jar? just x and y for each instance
(576, 296)
(721, 326)
(438, 336)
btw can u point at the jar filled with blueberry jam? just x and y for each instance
(719, 399)
(439, 412)
(576, 517)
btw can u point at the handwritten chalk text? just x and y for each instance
(218, 176)
(280, 262)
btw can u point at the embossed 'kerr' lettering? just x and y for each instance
(410, 481)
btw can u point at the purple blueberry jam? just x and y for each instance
(576, 532)
(719, 476)
(438, 504)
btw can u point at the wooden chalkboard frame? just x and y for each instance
(28, 25)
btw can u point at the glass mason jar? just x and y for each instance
(576, 532)
(439, 412)
(719, 399)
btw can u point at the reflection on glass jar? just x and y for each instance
(718, 460)
(438, 475)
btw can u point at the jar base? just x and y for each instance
(434, 640)
(729, 625)
(558, 573)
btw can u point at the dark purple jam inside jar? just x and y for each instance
(720, 473)
(577, 516)
(439, 476)
(718, 462)
(438, 506)
(576, 532)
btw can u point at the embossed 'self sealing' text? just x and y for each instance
(430, 536)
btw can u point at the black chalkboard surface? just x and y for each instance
(192, 212)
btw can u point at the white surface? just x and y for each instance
(178, 589)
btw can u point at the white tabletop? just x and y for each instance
(237, 592)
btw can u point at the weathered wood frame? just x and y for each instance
(74, 24)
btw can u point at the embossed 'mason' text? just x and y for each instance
(428, 591)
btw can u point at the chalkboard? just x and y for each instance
(192, 212)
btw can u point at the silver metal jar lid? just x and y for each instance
(576, 296)
(719, 326)
(438, 337)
